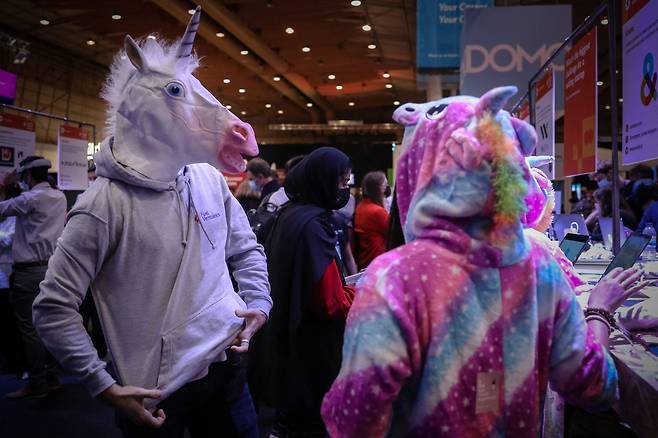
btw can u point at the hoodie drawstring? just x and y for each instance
(196, 212)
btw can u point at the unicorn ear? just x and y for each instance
(494, 100)
(526, 135)
(135, 54)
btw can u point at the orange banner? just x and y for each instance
(580, 106)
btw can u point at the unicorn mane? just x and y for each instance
(161, 56)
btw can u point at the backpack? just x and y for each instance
(262, 219)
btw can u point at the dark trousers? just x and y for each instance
(12, 351)
(219, 405)
(24, 290)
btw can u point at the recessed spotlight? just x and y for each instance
(386, 75)
(242, 90)
(339, 87)
(331, 77)
(306, 49)
(226, 81)
(276, 78)
(191, 11)
(366, 28)
(355, 2)
(220, 35)
(44, 22)
(607, 107)
(228, 107)
(350, 103)
(90, 42)
(621, 99)
(389, 85)
(244, 52)
(372, 46)
(279, 111)
(290, 30)
(604, 21)
(309, 104)
(116, 16)
(599, 83)
(244, 113)
(396, 102)
(268, 105)
(151, 37)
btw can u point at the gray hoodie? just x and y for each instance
(155, 255)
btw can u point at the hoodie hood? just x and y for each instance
(107, 166)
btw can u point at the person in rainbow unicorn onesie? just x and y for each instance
(458, 332)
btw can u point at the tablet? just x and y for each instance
(573, 245)
(629, 252)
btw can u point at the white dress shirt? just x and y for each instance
(40, 218)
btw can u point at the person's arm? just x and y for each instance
(348, 259)
(18, 206)
(332, 299)
(375, 366)
(7, 235)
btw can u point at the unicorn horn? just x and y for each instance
(187, 42)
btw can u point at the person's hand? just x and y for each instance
(129, 401)
(615, 288)
(254, 321)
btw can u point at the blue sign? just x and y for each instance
(438, 28)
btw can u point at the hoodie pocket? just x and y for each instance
(189, 348)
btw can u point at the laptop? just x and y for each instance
(569, 223)
(573, 245)
(605, 223)
(629, 252)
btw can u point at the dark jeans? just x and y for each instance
(12, 351)
(24, 289)
(219, 405)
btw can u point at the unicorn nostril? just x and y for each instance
(410, 109)
(241, 131)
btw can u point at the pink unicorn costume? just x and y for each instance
(458, 332)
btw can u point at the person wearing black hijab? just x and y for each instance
(304, 336)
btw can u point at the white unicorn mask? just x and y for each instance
(162, 118)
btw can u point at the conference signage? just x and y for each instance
(640, 80)
(72, 157)
(580, 107)
(438, 27)
(523, 111)
(17, 141)
(545, 118)
(507, 46)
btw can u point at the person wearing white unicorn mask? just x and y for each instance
(154, 237)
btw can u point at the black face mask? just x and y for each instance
(387, 192)
(342, 198)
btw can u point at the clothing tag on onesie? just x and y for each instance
(487, 392)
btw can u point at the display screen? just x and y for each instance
(629, 253)
(7, 87)
(572, 246)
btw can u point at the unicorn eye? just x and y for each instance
(434, 112)
(175, 89)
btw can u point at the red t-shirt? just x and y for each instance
(370, 228)
(332, 299)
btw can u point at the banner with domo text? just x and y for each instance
(438, 27)
(508, 45)
(545, 119)
(17, 141)
(640, 80)
(72, 157)
(580, 107)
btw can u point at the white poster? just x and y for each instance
(72, 157)
(17, 141)
(640, 80)
(545, 119)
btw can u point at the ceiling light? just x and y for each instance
(244, 113)
(226, 81)
(599, 83)
(244, 52)
(151, 37)
(268, 105)
(331, 77)
(220, 35)
(621, 99)
(306, 49)
(191, 11)
(607, 107)
(350, 103)
(356, 3)
(389, 85)
(116, 16)
(396, 102)
(242, 90)
(290, 30)
(372, 46)
(386, 75)
(309, 104)
(339, 87)
(228, 107)
(276, 78)
(366, 28)
(604, 21)
(90, 42)
(279, 111)
(44, 21)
